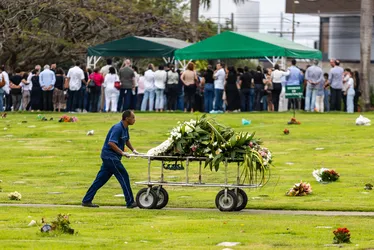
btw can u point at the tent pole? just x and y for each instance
(96, 60)
(89, 58)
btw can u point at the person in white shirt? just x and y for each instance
(5, 89)
(160, 79)
(149, 89)
(219, 85)
(104, 70)
(111, 92)
(350, 90)
(276, 78)
(75, 77)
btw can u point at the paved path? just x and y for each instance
(248, 211)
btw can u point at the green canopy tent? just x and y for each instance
(136, 47)
(246, 45)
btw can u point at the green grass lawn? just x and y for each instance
(51, 162)
(54, 163)
(162, 229)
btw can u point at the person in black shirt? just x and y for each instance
(258, 78)
(246, 92)
(15, 89)
(232, 92)
(208, 82)
(58, 92)
(36, 100)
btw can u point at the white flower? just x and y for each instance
(215, 144)
(160, 149)
(188, 129)
(15, 196)
(210, 156)
(318, 173)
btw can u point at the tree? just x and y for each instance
(194, 13)
(366, 28)
(55, 31)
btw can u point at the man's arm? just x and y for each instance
(117, 149)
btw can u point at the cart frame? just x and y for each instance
(157, 197)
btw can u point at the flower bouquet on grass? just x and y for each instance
(300, 189)
(66, 118)
(294, 121)
(15, 196)
(61, 225)
(325, 175)
(342, 235)
(205, 137)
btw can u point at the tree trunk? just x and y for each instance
(194, 18)
(366, 34)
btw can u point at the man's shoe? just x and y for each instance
(89, 204)
(132, 205)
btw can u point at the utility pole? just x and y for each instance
(219, 17)
(293, 20)
(281, 28)
(232, 21)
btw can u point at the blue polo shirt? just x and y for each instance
(119, 135)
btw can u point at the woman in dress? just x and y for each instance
(232, 92)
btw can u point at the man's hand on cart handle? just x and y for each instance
(135, 152)
(126, 154)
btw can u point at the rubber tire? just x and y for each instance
(242, 199)
(151, 199)
(231, 198)
(162, 197)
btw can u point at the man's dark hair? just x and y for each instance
(246, 69)
(18, 70)
(112, 70)
(293, 62)
(126, 114)
(337, 62)
(77, 63)
(259, 68)
(109, 61)
(276, 66)
(161, 67)
(348, 70)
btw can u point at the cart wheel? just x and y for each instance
(227, 203)
(242, 199)
(162, 195)
(146, 201)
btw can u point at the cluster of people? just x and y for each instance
(213, 90)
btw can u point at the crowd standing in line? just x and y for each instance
(213, 90)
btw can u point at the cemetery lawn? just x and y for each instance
(55, 163)
(115, 228)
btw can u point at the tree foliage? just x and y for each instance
(48, 31)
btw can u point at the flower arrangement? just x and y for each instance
(300, 189)
(205, 137)
(342, 235)
(61, 225)
(15, 196)
(325, 175)
(66, 118)
(294, 121)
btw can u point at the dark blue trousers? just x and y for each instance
(108, 168)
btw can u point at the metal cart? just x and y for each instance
(231, 198)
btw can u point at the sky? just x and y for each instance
(306, 27)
